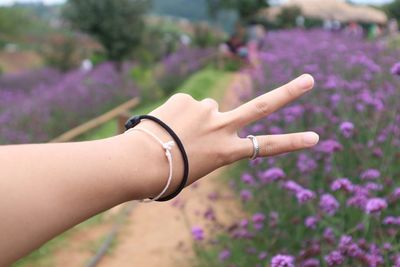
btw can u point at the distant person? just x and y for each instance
(86, 65)
(393, 27)
(354, 29)
(237, 45)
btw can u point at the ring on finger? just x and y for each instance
(256, 147)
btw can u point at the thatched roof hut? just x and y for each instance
(332, 10)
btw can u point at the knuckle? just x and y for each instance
(181, 97)
(210, 101)
(291, 91)
(262, 107)
(294, 143)
(270, 147)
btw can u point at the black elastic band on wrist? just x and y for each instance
(135, 120)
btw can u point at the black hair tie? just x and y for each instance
(135, 120)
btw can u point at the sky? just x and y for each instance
(9, 2)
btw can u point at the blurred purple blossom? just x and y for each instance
(335, 258)
(342, 184)
(375, 205)
(395, 70)
(329, 204)
(198, 233)
(282, 261)
(370, 174)
(347, 129)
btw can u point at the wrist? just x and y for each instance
(143, 165)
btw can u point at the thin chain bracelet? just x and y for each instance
(168, 147)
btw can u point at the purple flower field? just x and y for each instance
(39, 105)
(339, 203)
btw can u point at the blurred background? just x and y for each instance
(75, 70)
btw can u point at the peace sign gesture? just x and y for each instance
(210, 137)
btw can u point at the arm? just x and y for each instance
(47, 188)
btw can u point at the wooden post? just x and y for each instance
(122, 118)
(96, 122)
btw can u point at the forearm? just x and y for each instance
(46, 189)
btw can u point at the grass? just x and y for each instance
(206, 83)
(42, 256)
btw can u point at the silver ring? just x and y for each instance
(256, 147)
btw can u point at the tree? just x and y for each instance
(117, 24)
(14, 21)
(288, 15)
(393, 9)
(246, 8)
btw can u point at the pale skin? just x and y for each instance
(46, 189)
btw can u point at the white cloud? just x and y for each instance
(10, 2)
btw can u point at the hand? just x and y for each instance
(211, 137)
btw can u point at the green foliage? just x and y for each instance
(13, 21)
(205, 36)
(62, 53)
(117, 24)
(246, 9)
(157, 42)
(393, 9)
(288, 15)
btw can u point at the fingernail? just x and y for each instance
(310, 138)
(306, 81)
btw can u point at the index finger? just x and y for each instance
(270, 102)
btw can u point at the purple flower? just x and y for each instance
(258, 221)
(262, 255)
(306, 164)
(292, 186)
(395, 70)
(273, 219)
(258, 218)
(358, 200)
(248, 179)
(375, 205)
(342, 184)
(329, 204)
(374, 260)
(391, 220)
(396, 193)
(311, 222)
(329, 146)
(209, 214)
(344, 243)
(329, 235)
(373, 187)
(224, 255)
(304, 195)
(370, 174)
(311, 263)
(246, 195)
(347, 128)
(198, 233)
(282, 261)
(387, 246)
(272, 175)
(334, 258)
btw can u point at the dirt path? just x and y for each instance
(158, 234)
